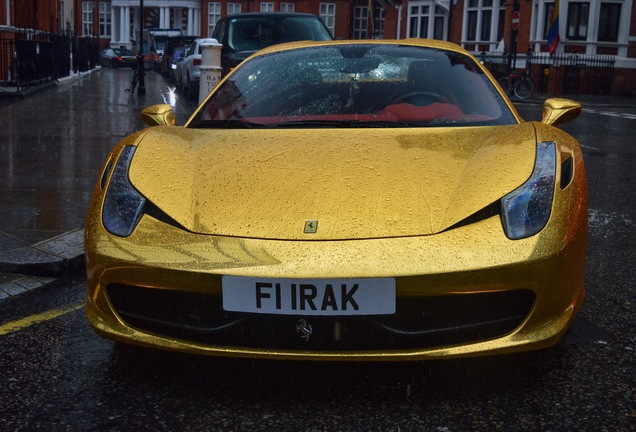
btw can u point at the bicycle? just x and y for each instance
(134, 81)
(517, 83)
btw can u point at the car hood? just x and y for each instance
(356, 183)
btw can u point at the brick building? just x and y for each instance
(592, 32)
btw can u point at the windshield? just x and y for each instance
(123, 52)
(356, 85)
(255, 33)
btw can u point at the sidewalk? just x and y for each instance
(54, 141)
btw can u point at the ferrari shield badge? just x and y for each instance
(311, 226)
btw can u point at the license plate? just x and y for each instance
(362, 296)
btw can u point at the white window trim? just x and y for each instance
(266, 7)
(328, 16)
(87, 12)
(430, 31)
(214, 14)
(494, 24)
(288, 7)
(233, 8)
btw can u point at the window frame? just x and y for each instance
(360, 22)
(609, 30)
(105, 25)
(327, 13)
(266, 7)
(426, 19)
(574, 30)
(233, 8)
(214, 15)
(484, 21)
(87, 18)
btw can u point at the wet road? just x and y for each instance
(56, 374)
(54, 144)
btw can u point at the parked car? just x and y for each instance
(177, 55)
(359, 200)
(171, 44)
(243, 34)
(117, 57)
(188, 70)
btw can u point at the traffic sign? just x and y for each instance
(515, 20)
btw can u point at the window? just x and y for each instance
(287, 7)
(427, 20)
(267, 7)
(360, 22)
(328, 16)
(87, 18)
(214, 14)
(233, 8)
(547, 16)
(438, 26)
(418, 21)
(485, 20)
(578, 15)
(609, 21)
(104, 19)
(378, 24)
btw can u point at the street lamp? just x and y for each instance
(141, 89)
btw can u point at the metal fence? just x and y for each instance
(560, 73)
(29, 58)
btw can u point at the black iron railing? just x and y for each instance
(29, 58)
(560, 73)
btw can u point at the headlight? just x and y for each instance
(526, 210)
(123, 205)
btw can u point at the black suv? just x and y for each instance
(243, 34)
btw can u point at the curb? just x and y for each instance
(55, 257)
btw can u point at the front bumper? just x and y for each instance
(541, 279)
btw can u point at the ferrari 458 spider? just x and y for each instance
(345, 200)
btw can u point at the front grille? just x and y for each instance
(419, 322)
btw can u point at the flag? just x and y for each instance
(553, 31)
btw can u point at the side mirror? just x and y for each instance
(557, 111)
(158, 115)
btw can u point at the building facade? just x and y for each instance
(587, 29)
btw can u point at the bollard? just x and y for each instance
(210, 67)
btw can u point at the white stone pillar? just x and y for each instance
(210, 67)
(123, 22)
(126, 25)
(190, 31)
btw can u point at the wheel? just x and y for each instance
(523, 88)
(418, 98)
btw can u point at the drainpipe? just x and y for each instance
(8, 13)
(399, 23)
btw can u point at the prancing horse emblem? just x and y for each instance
(304, 329)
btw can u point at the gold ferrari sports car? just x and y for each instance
(345, 200)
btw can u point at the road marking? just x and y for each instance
(23, 323)
(610, 113)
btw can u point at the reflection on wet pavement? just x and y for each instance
(53, 144)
